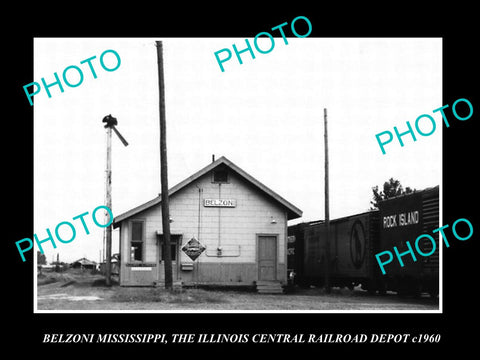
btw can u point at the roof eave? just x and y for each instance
(292, 211)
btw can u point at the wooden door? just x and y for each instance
(267, 257)
(175, 242)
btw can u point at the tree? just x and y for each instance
(41, 258)
(391, 188)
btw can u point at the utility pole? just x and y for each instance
(327, 210)
(108, 203)
(110, 125)
(163, 172)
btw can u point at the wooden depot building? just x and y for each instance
(235, 225)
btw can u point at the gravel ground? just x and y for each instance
(83, 291)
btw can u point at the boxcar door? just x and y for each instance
(267, 257)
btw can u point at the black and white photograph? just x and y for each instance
(273, 181)
(237, 232)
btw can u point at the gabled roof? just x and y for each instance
(84, 261)
(293, 211)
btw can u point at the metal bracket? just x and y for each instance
(219, 252)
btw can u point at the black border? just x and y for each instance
(456, 25)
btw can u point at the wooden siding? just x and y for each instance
(234, 229)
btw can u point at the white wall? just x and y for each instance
(238, 226)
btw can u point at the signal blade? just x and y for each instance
(122, 139)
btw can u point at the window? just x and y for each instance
(220, 175)
(136, 249)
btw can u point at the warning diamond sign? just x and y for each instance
(193, 248)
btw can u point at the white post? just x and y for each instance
(108, 190)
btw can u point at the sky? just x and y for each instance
(265, 115)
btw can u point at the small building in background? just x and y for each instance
(84, 264)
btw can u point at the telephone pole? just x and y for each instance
(163, 172)
(327, 210)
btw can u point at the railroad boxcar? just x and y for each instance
(296, 252)
(354, 241)
(403, 219)
(351, 239)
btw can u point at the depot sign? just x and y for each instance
(219, 202)
(193, 248)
